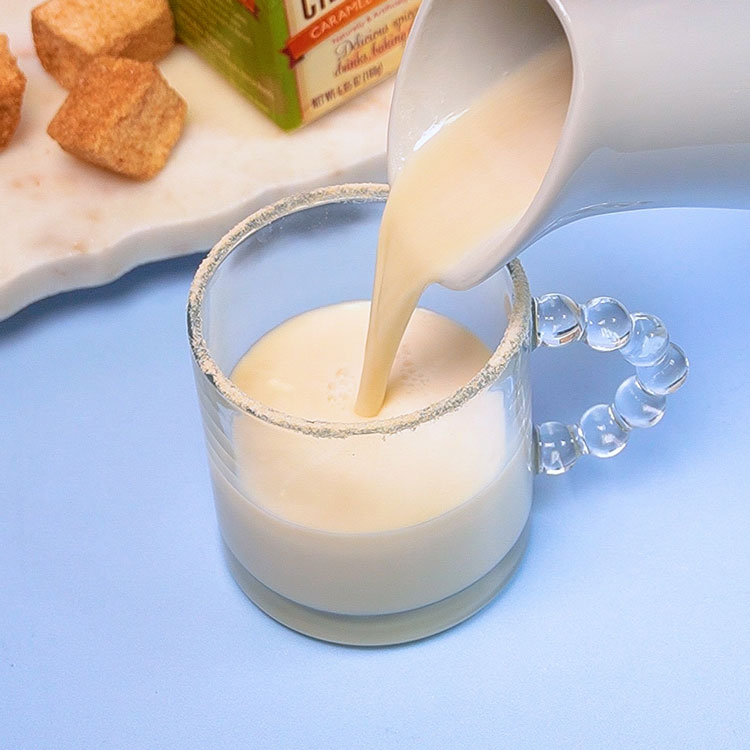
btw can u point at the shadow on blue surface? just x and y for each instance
(130, 283)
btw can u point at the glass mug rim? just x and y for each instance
(516, 332)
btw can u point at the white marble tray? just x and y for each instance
(66, 224)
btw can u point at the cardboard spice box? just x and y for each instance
(297, 59)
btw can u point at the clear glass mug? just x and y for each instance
(398, 567)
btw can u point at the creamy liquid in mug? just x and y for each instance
(371, 524)
(386, 523)
(309, 367)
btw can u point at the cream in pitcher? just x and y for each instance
(461, 190)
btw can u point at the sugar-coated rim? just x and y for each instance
(515, 334)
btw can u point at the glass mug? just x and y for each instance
(394, 568)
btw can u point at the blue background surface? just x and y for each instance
(626, 625)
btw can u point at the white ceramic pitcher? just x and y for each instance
(659, 112)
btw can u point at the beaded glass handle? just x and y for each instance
(605, 325)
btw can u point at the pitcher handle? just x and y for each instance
(604, 324)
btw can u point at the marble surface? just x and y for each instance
(67, 224)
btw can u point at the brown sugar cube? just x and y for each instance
(12, 85)
(69, 33)
(121, 115)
